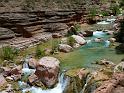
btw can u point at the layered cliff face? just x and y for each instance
(37, 25)
(37, 20)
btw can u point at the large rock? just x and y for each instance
(119, 67)
(32, 63)
(47, 71)
(79, 39)
(2, 81)
(110, 85)
(65, 48)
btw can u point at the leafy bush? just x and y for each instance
(8, 53)
(39, 52)
(55, 44)
(105, 13)
(71, 41)
(77, 27)
(120, 35)
(115, 9)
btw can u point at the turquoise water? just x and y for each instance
(89, 53)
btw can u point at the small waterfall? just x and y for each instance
(99, 34)
(103, 23)
(107, 43)
(88, 80)
(58, 89)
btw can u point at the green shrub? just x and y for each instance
(28, 5)
(77, 27)
(115, 9)
(8, 53)
(71, 41)
(55, 44)
(105, 13)
(120, 35)
(39, 52)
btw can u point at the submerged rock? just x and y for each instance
(65, 48)
(47, 71)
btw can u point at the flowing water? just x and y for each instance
(58, 89)
(82, 57)
(91, 52)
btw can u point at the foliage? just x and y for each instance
(77, 27)
(121, 2)
(105, 13)
(8, 53)
(115, 9)
(39, 52)
(71, 41)
(120, 35)
(92, 12)
(28, 5)
(55, 45)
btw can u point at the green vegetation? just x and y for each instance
(39, 52)
(8, 53)
(77, 27)
(71, 41)
(120, 35)
(93, 11)
(115, 8)
(28, 4)
(55, 44)
(105, 13)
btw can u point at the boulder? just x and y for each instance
(47, 71)
(32, 78)
(16, 70)
(2, 81)
(112, 40)
(64, 40)
(119, 67)
(76, 45)
(105, 62)
(82, 73)
(118, 89)
(65, 48)
(106, 87)
(111, 85)
(32, 63)
(79, 39)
